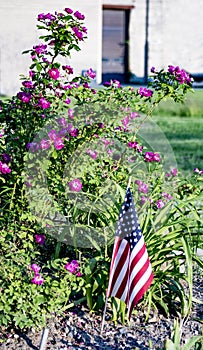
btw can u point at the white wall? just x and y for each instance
(18, 33)
(175, 35)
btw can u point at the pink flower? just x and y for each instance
(134, 115)
(58, 144)
(145, 92)
(78, 33)
(4, 168)
(45, 144)
(54, 73)
(92, 154)
(53, 135)
(78, 274)
(135, 145)
(40, 49)
(152, 157)
(167, 196)
(24, 96)
(43, 103)
(156, 157)
(68, 10)
(27, 84)
(72, 267)
(69, 69)
(143, 187)
(174, 172)
(38, 280)
(70, 113)
(40, 239)
(125, 121)
(90, 73)
(160, 204)
(196, 170)
(75, 185)
(74, 132)
(67, 101)
(36, 268)
(79, 15)
(62, 121)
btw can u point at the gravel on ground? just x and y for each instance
(80, 329)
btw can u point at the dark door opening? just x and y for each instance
(115, 45)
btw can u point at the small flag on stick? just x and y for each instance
(130, 272)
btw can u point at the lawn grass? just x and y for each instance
(182, 125)
(185, 136)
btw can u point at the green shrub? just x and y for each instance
(66, 155)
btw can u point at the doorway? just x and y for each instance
(115, 44)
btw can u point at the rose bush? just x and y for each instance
(67, 151)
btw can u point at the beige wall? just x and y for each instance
(175, 35)
(18, 33)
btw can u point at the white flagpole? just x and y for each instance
(104, 314)
(129, 182)
(44, 339)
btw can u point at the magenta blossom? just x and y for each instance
(136, 146)
(125, 121)
(53, 135)
(107, 83)
(145, 92)
(37, 280)
(160, 204)
(45, 144)
(40, 239)
(134, 115)
(4, 168)
(27, 84)
(70, 113)
(180, 74)
(73, 267)
(142, 186)
(174, 172)
(36, 268)
(67, 101)
(90, 73)
(58, 144)
(75, 185)
(68, 10)
(152, 157)
(78, 33)
(167, 196)
(92, 153)
(79, 15)
(43, 103)
(68, 69)
(197, 171)
(54, 73)
(62, 121)
(40, 49)
(24, 96)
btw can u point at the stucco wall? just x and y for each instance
(175, 35)
(18, 33)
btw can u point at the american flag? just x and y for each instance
(130, 272)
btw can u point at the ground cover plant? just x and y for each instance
(67, 152)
